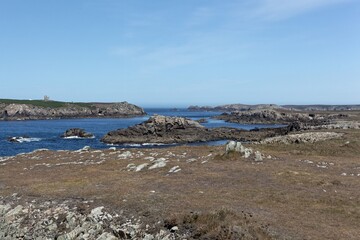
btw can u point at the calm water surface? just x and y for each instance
(46, 133)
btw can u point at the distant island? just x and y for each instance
(12, 109)
(245, 107)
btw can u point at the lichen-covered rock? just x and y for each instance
(233, 146)
(308, 137)
(64, 221)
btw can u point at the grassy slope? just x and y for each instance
(41, 103)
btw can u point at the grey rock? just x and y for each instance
(308, 137)
(10, 215)
(233, 146)
(71, 235)
(107, 236)
(230, 146)
(141, 167)
(158, 163)
(76, 133)
(16, 111)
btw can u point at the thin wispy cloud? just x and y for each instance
(283, 9)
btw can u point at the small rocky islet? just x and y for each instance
(76, 133)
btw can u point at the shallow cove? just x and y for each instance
(48, 131)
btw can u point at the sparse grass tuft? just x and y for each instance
(220, 224)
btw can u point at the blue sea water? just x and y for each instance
(46, 133)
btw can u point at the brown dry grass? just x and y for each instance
(286, 196)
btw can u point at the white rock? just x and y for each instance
(141, 167)
(175, 228)
(125, 155)
(158, 163)
(10, 215)
(175, 169)
(148, 237)
(247, 152)
(258, 156)
(107, 236)
(96, 213)
(230, 146)
(190, 160)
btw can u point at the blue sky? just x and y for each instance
(180, 53)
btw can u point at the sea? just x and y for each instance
(40, 134)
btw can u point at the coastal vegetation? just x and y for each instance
(45, 104)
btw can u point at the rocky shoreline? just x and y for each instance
(246, 107)
(276, 116)
(18, 111)
(163, 129)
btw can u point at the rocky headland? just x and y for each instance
(32, 110)
(164, 129)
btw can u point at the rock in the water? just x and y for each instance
(76, 133)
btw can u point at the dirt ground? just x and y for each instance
(303, 191)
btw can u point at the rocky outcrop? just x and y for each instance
(234, 107)
(76, 133)
(237, 147)
(15, 111)
(22, 139)
(162, 129)
(271, 116)
(308, 137)
(246, 107)
(72, 220)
